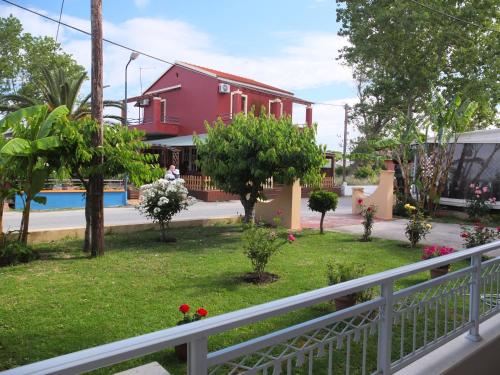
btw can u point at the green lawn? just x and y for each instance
(67, 302)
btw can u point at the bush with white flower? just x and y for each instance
(162, 199)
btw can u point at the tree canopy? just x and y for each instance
(242, 156)
(24, 56)
(401, 52)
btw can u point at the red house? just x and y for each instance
(186, 95)
(178, 103)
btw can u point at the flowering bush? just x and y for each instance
(260, 244)
(436, 251)
(188, 318)
(162, 199)
(479, 234)
(368, 213)
(417, 227)
(479, 202)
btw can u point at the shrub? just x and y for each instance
(479, 202)
(337, 273)
(339, 171)
(478, 235)
(162, 199)
(14, 252)
(323, 201)
(364, 171)
(417, 227)
(260, 244)
(368, 214)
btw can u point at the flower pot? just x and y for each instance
(181, 351)
(440, 271)
(345, 302)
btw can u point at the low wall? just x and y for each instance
(46, 235)
(368, 189)
(62, 199)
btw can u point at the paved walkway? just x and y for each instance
(341, 220)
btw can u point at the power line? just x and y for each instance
(452, 16)
(59, 22)
(86, 32)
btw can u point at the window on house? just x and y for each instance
(244, 104)
(163, 111)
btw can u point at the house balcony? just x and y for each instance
(403, 317)
(166, 127)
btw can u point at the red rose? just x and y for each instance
(360, 201)
(184, 308)
(202, 312)
(369, 209)
(291, 237)
(464, 235)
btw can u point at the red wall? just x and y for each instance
(198, 100)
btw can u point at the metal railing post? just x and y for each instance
(475, 298)
(385, 329)
(197, 357)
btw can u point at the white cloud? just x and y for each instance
(330, 119)
(141, 3)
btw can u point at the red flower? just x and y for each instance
(202, 312)
(184, 308)
(464, 235)
(291, 238)
(279, 212)
(498, 229)
(360, 201)
(369, 209)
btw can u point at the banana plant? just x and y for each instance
(35, 137)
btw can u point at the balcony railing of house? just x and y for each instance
(204, 183)
(379, 336)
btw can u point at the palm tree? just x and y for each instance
(58, 89)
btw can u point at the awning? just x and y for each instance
(182, 141)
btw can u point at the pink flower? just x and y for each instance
(291, 237)
(493, 199)
(279, 212)
(472, 186)
(478, 192)
(477, 195)
(485, 189)
(498, 229)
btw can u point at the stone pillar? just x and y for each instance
(309, 115)
(156, 109)
(276, 108)
(236, 98)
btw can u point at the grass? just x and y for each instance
(67, 302)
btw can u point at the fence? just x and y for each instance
(75, 184)
(204, 183)
(394, 327)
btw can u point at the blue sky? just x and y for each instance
(288, 43)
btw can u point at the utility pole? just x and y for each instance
(96, 180)
(346, 118)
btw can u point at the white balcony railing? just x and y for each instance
(395, 327)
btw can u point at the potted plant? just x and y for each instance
(340, 272)
(434, 252)
(181, 350)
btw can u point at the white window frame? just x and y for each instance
(277, 100)
(163, 110)
(245, 110)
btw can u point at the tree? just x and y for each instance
(401, 52)
(7, 181)
(23, 58)
(323, 201)
(31, 150)
(59, 88)
(121, 154)
(242, 156)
